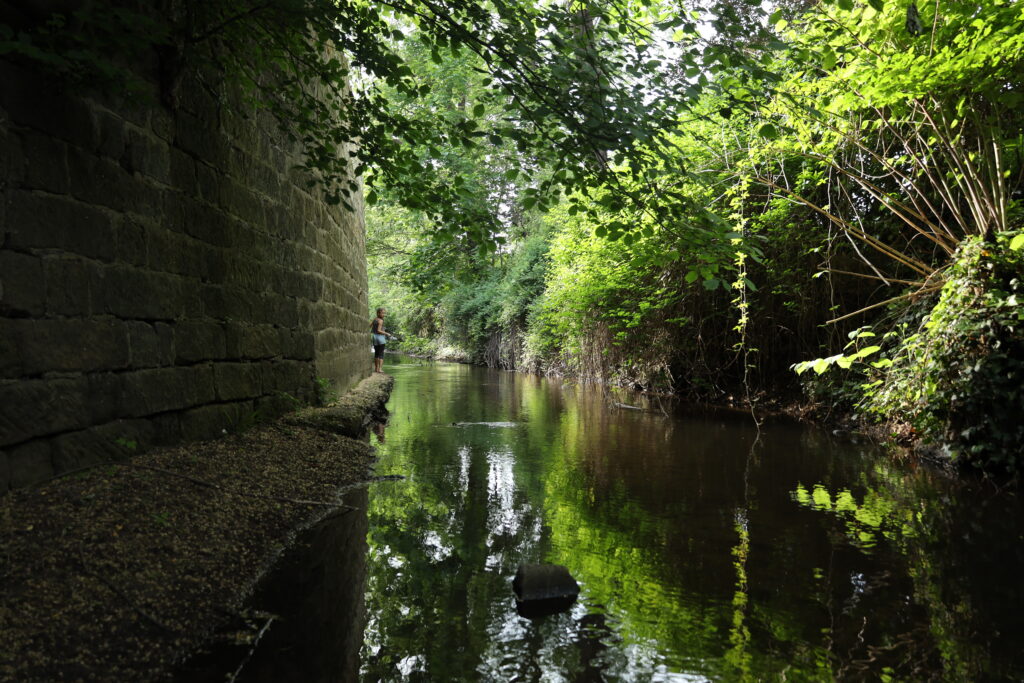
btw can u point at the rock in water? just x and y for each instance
(543, 589)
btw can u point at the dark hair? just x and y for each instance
(379, 311)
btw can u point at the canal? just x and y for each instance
(705, 550)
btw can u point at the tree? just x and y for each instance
(582, 87)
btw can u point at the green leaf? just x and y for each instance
(1017, 242)
(867, 351)
(877, 5)
(768, 131)
(478, 110)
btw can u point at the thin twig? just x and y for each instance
(923, 290)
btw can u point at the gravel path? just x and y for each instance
(120, 571)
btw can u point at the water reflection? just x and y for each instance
(701, 554)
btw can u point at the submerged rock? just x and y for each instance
(543, 589)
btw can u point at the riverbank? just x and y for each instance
(121, 571)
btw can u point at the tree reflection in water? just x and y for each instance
(697, 559)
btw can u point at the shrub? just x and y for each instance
(960, 380)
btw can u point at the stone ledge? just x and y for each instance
(128, 567)
(352, 414)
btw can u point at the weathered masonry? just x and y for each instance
(164, 276)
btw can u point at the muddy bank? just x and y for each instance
(120, 571)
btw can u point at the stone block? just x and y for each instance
(22, 287)
(47, 163)
(275, 405)
(161, 122)
(210, 224)
(135, 293)
(166, 429)
(150, 345)
(147, 156)
(215, 265)
(299, 345)
(146, 392)
(12, 158)
(215, 302)
(148, 199)
(208, 181)
(183, 173)
(5, 473)
(198, 340)
(104, 396)
(74, 345)
(46, 221)
(200, 140)
(243, 272)
(168, 251)
(10, 348)
(242, 130)
(30, 463)
(192, 302)
(204, 383)
(209, 422)
(42, 406)
(88, 447)
(252, 342)
(112, 135)
(131, 241)
(101, 182)
(237, 380)
(292, 377)
(68, 285)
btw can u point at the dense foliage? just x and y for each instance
(958, 379)
(851, 187)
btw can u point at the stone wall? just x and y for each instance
(164, 276)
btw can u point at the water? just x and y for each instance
(703, 552)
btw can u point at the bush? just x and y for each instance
(960, 380)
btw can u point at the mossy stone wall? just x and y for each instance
(164, 276)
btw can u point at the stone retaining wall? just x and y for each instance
(164, 276)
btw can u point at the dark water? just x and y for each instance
(702, 552)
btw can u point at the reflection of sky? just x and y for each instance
(464, 463)
(501, 487)
(435, 548)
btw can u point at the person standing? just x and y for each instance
(380, 339)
